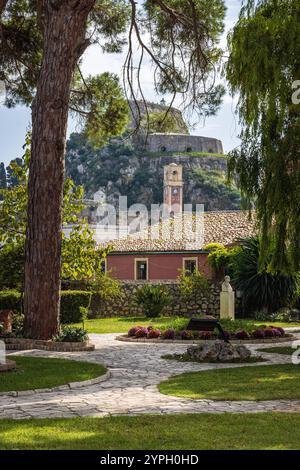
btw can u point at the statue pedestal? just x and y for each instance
(227, 300)
(227, 303)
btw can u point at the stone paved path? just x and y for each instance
(136, 369)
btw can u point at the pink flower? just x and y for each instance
(153, 334)
(242, 334)
(169, 334)
(258, 334)
(141, 333)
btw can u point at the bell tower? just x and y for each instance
(173, 188)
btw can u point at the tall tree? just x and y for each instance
(3, 180)
(11, 175)
(263, 65)
(41, 46)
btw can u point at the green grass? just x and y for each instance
(268, 431)
(122, 324)
(33, 373)
(279, 350)
(272, 382)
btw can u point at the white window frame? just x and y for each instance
(143, 260)
(190, 258)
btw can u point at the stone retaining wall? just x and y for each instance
(124, 306)
(23, 344)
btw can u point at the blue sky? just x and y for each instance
(15, 122)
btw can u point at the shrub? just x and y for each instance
(141, 333)
(153, 299)
(276, 332)
(71, 306)
(281, 330)
(261, 289)
(219, 256)
(11, 266)
(261, 316)
(258, 334)
(133, 330)
(10, 300)
(242, 334)
(186, 335)
(18, 324)
(169, 333)
(192, 285)
(152, 334)
(269, 333)
(71, 335)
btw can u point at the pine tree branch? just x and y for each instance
(3, 4)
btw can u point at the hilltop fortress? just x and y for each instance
(135, 167)
(179, 141)
(183, 143)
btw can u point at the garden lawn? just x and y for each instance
(279, 350)
(33, 373)
(268, 431)
(272, 382)
(123, 324)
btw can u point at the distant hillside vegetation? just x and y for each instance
(121, 169)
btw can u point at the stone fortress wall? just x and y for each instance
(182, 143)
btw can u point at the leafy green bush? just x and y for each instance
(219, 256)
(10, 300)
(71, 305)
(261, 289)
(18, 325)
(71, 335)
(153, 299)
(192, 285)
(11, 266)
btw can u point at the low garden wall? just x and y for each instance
(22, 344)
(124, 305)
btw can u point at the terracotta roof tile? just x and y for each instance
(184, 233)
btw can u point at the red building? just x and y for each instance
(142, 257)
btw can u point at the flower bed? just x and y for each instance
(262, 334)
(68, 340)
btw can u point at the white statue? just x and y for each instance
(227, 300)
(226, 287)
(2, 353)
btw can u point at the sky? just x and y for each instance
(224, 126)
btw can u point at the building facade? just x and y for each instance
(163, 251)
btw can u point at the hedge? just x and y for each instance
(10, 300)
(71, 301)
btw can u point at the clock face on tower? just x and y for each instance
(175, 196)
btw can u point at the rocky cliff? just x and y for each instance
(121, 169)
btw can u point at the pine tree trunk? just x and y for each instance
(64, 42)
